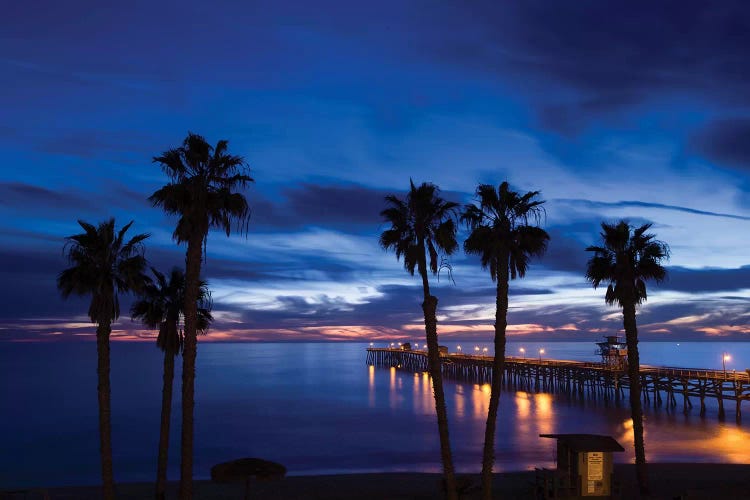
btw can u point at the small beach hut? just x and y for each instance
(584, 465)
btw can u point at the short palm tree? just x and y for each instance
(423, 224)
(102, 265)
(161, 306)
(501, 234)
(203, 192)
(628, 258)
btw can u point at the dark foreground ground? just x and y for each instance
(668, 481)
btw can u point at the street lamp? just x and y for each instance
(523, 352)
(485, 351)
(724, 358)
(459, 349)
(476, 348)
(541, 351)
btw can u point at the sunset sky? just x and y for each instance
(611, 109)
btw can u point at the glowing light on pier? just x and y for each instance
(523, 352)
(724, 358)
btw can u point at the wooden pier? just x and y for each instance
(660, 385)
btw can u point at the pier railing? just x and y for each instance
(661, 385)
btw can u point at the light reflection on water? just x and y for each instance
(316, 408)
(670, 436)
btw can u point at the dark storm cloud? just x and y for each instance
(726, 142)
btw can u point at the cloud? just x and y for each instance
(580, 60)
(707, 280)
(89, 145)
(337, 204)
(726, 142)
(30, 197)
(642, 204)
(352, 207)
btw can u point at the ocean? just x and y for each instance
(318, 408)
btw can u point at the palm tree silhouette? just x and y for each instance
(161, 306)
(202, 192)
(421, 224)
(629, 258)
(103, 264)
(505, 241)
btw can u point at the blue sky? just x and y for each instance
(611, 109)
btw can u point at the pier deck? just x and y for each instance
(661, 385)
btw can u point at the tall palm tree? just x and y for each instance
(501, 234)
(161, 306)
(103, 264)
(421, 224)
(628, 258)
(203, 192)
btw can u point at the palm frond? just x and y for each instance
(500, 230)
(628, 258)
(422, 227)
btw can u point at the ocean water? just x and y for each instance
(318, 408)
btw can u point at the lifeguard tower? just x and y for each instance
(614, 352)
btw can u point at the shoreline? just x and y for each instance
(667, 480)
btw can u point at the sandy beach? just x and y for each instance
(668, 481)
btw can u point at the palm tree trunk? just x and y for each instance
(636, 408)
(429, 307)
(166, 415)
(501, 322)
(190, 348)
(105, 411)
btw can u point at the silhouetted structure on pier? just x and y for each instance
(660, 385)
(614, 352)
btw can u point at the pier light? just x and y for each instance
(541, 351)
(391, 344)
(459, 348)
(485, 351)
(476, 348)
(372, 343)
(523, 352)
(724, 358)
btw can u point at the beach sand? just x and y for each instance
(668, 481)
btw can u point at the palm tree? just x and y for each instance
(103, 264)
(202, 192)
(505, 241)
(161, 306)
(629, 258)
(423, 223)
